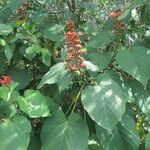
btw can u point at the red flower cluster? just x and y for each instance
(74, 51)
(5, 80)
(118, 25)
(22, 11)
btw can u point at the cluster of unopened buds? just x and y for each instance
(119, 26)
(6, 80)
(74, 49)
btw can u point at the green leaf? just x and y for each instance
(4, 91)
(46, 57)
(5, 14)
(136, 63)
(101, 59)
(91, 66)
(8, 94)
(20, 76)
(104, 103)
(117, 77)
(53, 32)
(124, 15)
(7, 109)
(123, 137)
(52, 105)
(3, 60)
(101, 40)
(46, 1)
(65, 134)
(5, 29)
(15, 133)
(147, 142)
(140, 95)
(32, 50)
(53, 74)
(34, 104)
(20, 36)
(14, 4)
(38, 17)
(90, 28)
(88, 5)
(65, 80)
(2, 42)
(8, 52)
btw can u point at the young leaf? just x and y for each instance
(46, 57)
(8, 52)
(32, 50)
(8, 94)
(34, 104)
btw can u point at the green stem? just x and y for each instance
(76, 100)
(69, 108)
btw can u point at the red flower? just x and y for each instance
(6, 80)
(74, 49)
(114, 14)
(118, 26)
(70, 25)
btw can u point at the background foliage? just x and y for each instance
(47, 107)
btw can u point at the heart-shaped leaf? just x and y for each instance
(65, 134)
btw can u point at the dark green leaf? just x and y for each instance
(61, 134)
(124, 137)
(100, 59)
(136, 63)
(5, 29)
(14, 134)
(14, 4)
(52, 75)
(65, 80)
(101, 40)
(3, 60)
(147, 142)
(20, 76)
(105, 103)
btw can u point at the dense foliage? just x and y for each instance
(75, 75)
